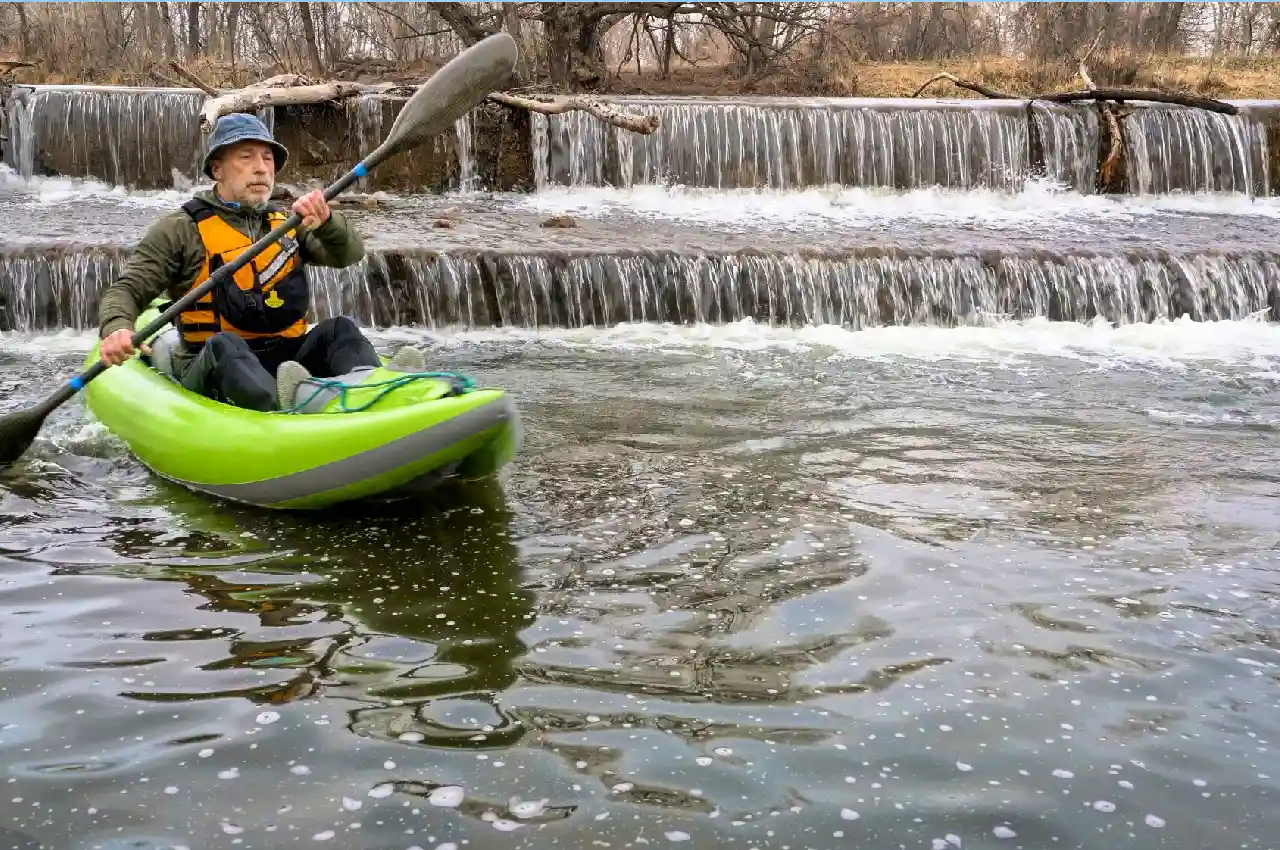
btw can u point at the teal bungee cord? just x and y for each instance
(461, 383)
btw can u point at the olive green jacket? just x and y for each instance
(171, 252)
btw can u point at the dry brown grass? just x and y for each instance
(1232, 77)
(1227, 78)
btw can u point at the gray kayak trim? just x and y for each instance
(375, 461)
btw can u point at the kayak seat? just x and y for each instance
(163, 346)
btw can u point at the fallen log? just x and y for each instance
(8, 66)
(1117, 95)
(643, 124)
(192, 78)
(1150, 95)
(1108, 173)
(249, 99)
(964, 84)
(282, 81)
(282, 91)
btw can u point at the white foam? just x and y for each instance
(1042, 206)
(52, 191)
(1251, 343)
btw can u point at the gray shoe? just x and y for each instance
(288, 377)
(408, 359)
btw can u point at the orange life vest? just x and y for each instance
(266, 298)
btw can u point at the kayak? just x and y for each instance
(374, 433)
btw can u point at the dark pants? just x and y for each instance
(229, 370)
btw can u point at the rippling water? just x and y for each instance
(986, 587)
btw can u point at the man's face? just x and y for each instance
(245, 172)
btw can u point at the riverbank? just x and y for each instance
(1228, 78)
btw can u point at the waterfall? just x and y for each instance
(1171, 149)
(150, 138)
(136, 137)
(55, 288)
(797, 142)
(142, 138)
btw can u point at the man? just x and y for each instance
(247, 341)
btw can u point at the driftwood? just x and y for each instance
(1116, 95)
(643, 124)
(249, 99)
(964, 84)
(192, 78)
(296, 90)
(282, 81)
(8, 66)
(1109, 172)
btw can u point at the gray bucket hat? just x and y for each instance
(241, 127)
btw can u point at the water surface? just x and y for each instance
(1006, 586)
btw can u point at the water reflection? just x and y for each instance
(411, 612)
(899, 604)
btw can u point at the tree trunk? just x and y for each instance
(668, 47)
(309, 34)
(24, 35)
(250, 99)
(233, 23)
(326, 32)
(166, 21)
(193, 30)
(559, 47)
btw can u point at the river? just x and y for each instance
(1008, 583)
(1005, 586)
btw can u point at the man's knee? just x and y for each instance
(339, 327)
(228, 345)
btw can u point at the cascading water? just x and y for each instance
(19, 153)
(1174, 149)
(463, 129)
(134, 137)
(149, 138)
(790, 144)
(56, 289)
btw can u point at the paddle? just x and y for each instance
(447, 96)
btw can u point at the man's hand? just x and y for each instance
(118, 347)
(313, 208)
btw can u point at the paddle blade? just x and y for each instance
(450, 93)
(18, 431)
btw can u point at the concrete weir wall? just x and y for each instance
(42, 289)
(149, 139)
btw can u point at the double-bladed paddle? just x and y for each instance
(450, 93)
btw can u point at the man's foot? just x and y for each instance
(290, 374)
(408, 359)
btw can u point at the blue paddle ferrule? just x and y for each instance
(360, 170)
(76, 383)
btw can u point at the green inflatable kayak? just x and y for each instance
(375, 432)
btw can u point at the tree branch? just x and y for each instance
(964, 84)
(192, 78)
(1118, 95)
(643, 124)
(263, 93)
(249, 99)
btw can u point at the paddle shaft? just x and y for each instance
(77, 383)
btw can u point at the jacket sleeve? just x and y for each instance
(335, 243)
(154, 266)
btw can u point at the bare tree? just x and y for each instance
(309, 33)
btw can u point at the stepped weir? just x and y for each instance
(49, 289)
(148, 139)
